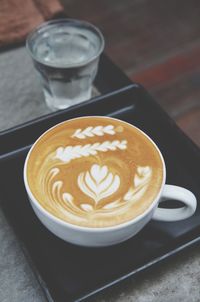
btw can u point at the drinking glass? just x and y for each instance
(66, 53)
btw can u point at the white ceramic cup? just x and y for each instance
(106, 236)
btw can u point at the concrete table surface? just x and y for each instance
(177, 279)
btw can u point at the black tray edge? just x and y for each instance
(149, 264)
(48, 116)
(142, 269)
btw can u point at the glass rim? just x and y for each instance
(77, 23)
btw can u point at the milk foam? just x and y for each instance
(87, 179)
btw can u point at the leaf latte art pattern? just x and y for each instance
(94, 131)
(72, 152)
(140, 182)
(98, 183)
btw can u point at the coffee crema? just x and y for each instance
(94, 171)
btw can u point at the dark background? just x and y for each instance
(156, 43)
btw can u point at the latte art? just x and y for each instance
(98, 183)
(94, 172)
(92, 131)
(70, 152)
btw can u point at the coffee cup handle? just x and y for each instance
(180, 194)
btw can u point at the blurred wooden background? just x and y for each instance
(157, 44)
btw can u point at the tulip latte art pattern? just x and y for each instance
(96, 175)
(99, 183)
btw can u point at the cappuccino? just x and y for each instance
(94, 171)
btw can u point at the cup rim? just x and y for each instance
(85, 228)
(72, 21)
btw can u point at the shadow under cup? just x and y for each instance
(103, 136)
(65, 53)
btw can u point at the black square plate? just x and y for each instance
(71, 273)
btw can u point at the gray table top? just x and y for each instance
(177, 279)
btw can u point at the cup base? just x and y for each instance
(58, 103)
